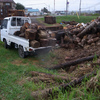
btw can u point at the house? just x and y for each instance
(5, 7)
(98, 11)
(10, 4)
(32, 12)
(60, 12)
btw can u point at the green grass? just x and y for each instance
(81, 92)
(13, 77)
(77, 94)
(80, 19)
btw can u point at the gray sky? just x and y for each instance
(61, 4)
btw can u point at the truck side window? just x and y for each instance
(26, 21)
(13, 22)
(4, 24)
(20, 22)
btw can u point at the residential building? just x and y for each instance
(60, 12)
(10, 4)
(5, 7)
(32, 12)
(98, 11)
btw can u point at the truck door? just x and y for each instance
(4, 29)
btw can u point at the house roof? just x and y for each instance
(33, 10)
(6, 1)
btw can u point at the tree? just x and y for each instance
(20, 6)
(45, 10)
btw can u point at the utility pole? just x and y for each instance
(54, 7)
(80, 8)
(67, 6)
(49, 7)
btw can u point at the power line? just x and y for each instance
(92, 6)
(34, 4)
(74, 2)
(39, 4)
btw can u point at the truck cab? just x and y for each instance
(12, 24)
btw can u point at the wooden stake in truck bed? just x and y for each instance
(11, 25)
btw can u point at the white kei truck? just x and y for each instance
(9, 26)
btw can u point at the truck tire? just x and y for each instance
(21, 52)
(5, 44)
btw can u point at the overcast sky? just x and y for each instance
(61, 4)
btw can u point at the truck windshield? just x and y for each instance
(4, 24)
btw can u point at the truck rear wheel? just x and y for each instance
(21, 52)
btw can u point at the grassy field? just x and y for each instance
(79, 19)
(14, 72)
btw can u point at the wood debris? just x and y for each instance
(63, 87)
(37, 34)
(81, 34)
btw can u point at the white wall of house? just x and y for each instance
(34, 13)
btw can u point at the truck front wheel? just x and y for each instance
(21, 52)
(5, 44)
